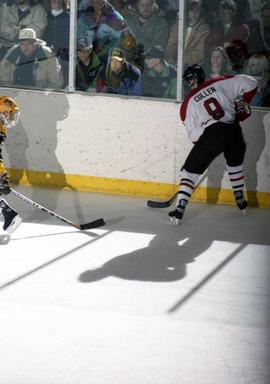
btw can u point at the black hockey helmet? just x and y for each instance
(194, 75)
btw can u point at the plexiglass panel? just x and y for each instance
(34, 44)
(229, 37)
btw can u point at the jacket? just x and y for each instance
(56, 34)
(153, 32)
(87, 80)
(47, 70)
(35, 17)
(162, 84)
(105, 33)
(195, 47)
(129, 81)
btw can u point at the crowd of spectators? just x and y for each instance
(131, 47)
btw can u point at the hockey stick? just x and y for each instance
(161, 204)
(92, 224)
(165, 204)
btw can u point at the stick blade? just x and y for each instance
(157, 204)
(161, 204)
(93, 224)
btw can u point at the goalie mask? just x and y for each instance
(194, 75)
(9, 112)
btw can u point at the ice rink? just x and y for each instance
(138, 301)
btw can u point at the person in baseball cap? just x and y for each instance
(121, 76)
(27, 34)
(159, 77)
(31, 63)
(83, 43)
(117, 54)
(156, 52)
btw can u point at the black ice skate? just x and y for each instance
(177, 214)
(240, 201)
(11, 218)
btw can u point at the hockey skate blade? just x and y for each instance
(14, 224)
(174, 221)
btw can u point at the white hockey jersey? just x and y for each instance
(213, 101)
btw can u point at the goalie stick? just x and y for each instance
(167, 203)
(92, 224)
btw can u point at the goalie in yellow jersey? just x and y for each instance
(9, 117)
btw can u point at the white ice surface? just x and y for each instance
(138, 301)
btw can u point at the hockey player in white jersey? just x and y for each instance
(211, 112)
(9, 116)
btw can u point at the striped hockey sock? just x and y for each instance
(236, 176)
(186, 186)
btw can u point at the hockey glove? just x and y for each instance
(242, 108)
(4, 183)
